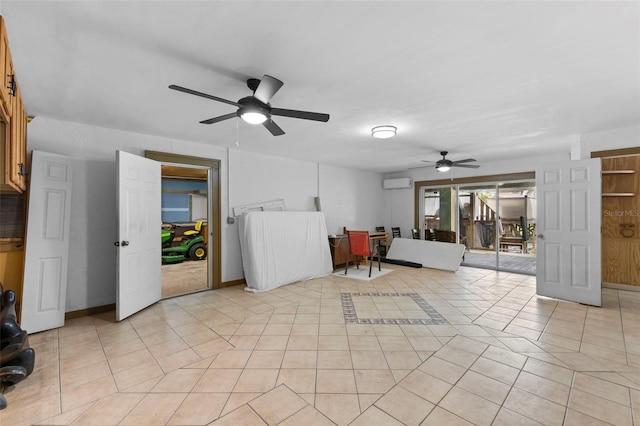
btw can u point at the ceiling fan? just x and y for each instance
(256, 109)
(445, 165)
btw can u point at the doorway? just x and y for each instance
(190, 222)
(185, 221)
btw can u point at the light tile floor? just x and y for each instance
(503, 356)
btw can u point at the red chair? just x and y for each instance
(360, 245)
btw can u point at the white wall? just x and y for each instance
(349, 197)
(627, 137)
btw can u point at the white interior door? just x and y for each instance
(568, 231)
(47, 242)
(139, 261)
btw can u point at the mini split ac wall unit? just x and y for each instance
(399, 183)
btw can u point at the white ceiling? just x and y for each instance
(490, 80)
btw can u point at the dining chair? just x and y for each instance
(383, 245)
(360, 245)
(395, 232)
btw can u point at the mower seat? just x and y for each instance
(196, 231)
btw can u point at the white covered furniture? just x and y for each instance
(280, 248)
(431, 254)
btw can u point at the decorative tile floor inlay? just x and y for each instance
(389, 308)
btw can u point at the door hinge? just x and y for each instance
(22, 170)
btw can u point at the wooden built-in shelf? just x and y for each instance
(618, 194)
(618, 172)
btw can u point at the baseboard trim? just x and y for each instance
(89, 311)
(225, 284)
(112, 307)
(626, 287)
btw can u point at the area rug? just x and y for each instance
(363, 273)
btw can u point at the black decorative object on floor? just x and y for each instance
(17, 359)
(402, 262)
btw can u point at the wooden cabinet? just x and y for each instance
(5, 154)
(13, 124)
(339, 246)
(18, 145)
(7, 76)
(621, 220)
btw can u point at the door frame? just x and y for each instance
(214, 208)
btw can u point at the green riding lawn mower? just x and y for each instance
(191, 246)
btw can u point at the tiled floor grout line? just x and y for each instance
(622, 327)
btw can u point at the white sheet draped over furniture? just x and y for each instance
(280, 248)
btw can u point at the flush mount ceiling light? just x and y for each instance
(383, 132)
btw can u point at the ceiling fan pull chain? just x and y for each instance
(237, 132)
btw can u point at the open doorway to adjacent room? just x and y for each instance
(190, 224)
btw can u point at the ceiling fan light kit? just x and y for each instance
(384, 132)
(256, 109)
(253, 117)
(443, 165)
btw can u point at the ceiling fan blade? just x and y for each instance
(316, 116)
(428, 161)
(267, 88)
(469, 166)
(273, 128)
(220, 118)
(203, 95)
(466, 160)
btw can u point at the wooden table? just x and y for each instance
(379, 236)
(339, 246)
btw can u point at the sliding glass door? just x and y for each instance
(440, 218)
(495, 221)
(478, 224)
(517, 240)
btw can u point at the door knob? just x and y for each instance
(124, 243)
(540, 236)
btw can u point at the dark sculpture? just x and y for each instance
(17, 359)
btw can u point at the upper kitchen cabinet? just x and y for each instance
(13, 123)
(8, 78)
(18, 145)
